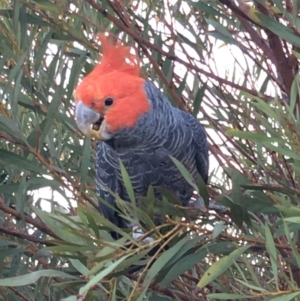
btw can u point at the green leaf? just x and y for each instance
(79, 266)
(224, 296)
(286, 297)
(185, 173)
(279, 29)
(20, 162)
(156, 297)
(163, 260)
(266, 108)
(237, 214)
(220, 266)
(9, 126)
(218, 229)
(70, 298)
(33, 277)
(127, 183)
(270, 245)
(94, 280)
(85, 161)
(253, 287)
(61, 229)
(224, 34)
(184, 264)
(203, 191)
(253, 136)
(198, 100)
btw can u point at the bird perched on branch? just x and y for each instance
(135, 123)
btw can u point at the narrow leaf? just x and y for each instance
(33, 277)
(220, 266)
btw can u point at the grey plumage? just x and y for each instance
(145, 149)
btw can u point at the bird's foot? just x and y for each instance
(199, 204)
(138, 233)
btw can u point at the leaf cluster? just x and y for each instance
(232, 65)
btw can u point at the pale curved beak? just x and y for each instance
(86, 119)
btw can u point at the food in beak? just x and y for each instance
(97, 124)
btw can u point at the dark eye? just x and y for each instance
(108, 101)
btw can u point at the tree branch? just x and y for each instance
(39, 225)
(23, 235)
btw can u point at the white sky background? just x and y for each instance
(225, 57)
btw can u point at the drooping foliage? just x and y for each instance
(232, 64)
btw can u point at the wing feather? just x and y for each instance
(200, 143)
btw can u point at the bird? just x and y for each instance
(136, 124)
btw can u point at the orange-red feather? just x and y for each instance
(116, 76)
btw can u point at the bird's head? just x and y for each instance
(112, 96)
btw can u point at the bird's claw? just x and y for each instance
(138, 233)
